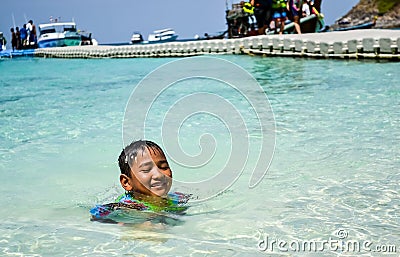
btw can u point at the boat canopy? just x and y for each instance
(57, 27)
(163, 30)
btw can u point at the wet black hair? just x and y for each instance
(128, 154)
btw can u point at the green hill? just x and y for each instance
(385, 6)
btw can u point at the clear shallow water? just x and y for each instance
(336, 163)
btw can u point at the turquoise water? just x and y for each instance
(335, 167)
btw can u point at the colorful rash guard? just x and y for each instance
(174, 203)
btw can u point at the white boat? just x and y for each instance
(163, 35)
(58, 34)
(136, 38)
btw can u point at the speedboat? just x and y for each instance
(136, 38)
(367, 25)
(163, 35)
(58, 34)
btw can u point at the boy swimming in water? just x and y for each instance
(147, 178)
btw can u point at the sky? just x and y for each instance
(115, 21)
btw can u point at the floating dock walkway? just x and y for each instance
(357, 44)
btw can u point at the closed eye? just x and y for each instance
(146, 167)
(163, 165)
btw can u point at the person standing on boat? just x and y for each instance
(263, 14)
(295, 10)
(32, 36)
(13, 39)
(28, 33)
(279, 8)
(306, 9)
(23, 35)
(18, 35)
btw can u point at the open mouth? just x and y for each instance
(158, 185)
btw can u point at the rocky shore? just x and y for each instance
(386, 13)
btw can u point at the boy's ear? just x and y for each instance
(125, 182)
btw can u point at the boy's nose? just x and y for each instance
(157, 173)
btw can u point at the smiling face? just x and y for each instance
(150, 174)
